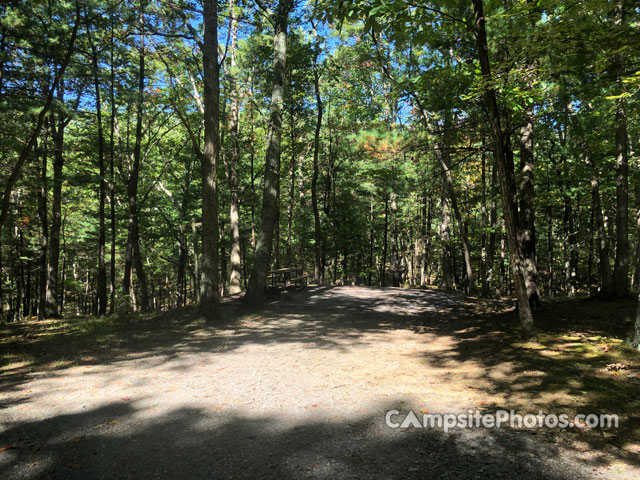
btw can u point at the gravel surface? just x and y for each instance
(297, 391)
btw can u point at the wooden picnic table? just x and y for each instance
(281, 278)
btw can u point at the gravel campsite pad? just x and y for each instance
(299, 390)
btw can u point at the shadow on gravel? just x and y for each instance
(322, 316)
(564, 376)
(111, 443)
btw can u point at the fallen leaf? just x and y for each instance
(425, 411)
(106, 424)
(9, 446)
(315, 405)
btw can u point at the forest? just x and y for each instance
(159, 154)
(246, 225)
(164, 153)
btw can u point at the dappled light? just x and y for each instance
(372, 239)
(304, 386)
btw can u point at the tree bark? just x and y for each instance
(196, 261)
(317, 265)
(493, 221)
(604, 261)
(445, 163)
(292, 191)
(133, 257)
(527, 210)
(636, 273)
(383, 267)
(371, 244)
(112, 178)
(445, 234)
(58, 124)
(635, 336)
(102, 234)
(622, 260)
(484, 214)
(427, 205)
(504, 162)
(570, 242)
(262, 258)
(395, 253)
(234, 210)
(209, 288)
(44, 235)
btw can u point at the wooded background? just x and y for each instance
(161, 153)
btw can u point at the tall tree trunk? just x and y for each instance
(445, 234)
(371, 244)
(57, 130)
(395, 253)
(1, 284)
(21, 255)
(27, 291)
(102, 234)
(209, 288)
(484, 214)
(112, 178)
(234, 210)
(493, 221)
(383, 267)
(604, 261)
(317, 265)
(44, 235)
(636, 273)
(622, 260)
(182, 269)
(527, 210)
(63, 290)
(133, 256)
(504, 163)
(292, 191)
(570, 242)
(262, 258)
(196, 261)
(223, 261)
(591, 238)
(276, 236)
(427, 205)
(634, 341)
(445, 163)
(635, 336)
(252, 154)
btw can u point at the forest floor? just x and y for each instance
(300, 390)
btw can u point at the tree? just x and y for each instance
(262, 256)
(32, 139)
(622, 260)
(209, 289)
(102, 232)
(133, 256)
(317, 234)
(234, 209)
(505, 170)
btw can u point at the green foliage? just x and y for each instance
(397, 81)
